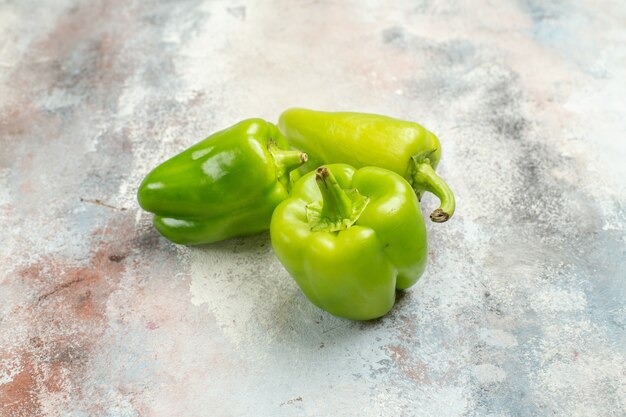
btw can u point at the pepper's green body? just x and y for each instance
(224, 186)
(351, 264)
(361, 140)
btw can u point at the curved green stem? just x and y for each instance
(425, 178)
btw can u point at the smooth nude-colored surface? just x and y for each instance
(521, 309)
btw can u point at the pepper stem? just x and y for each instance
(339, 208)
(425, 178)
(336, 204)
(286, 161)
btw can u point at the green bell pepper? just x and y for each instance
(350, 238)
(361, 139)
(224, 186)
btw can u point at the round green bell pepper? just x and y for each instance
(224, 186)
(361, 139)
(350, 238)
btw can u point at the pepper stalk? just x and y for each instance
(285, 161)
(424, 177)
(339, 209)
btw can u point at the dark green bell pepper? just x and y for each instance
(361, 139)
(350, 238)
(224, 186)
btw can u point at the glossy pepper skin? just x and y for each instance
(350, 238)
(362, 139)
(224, 186)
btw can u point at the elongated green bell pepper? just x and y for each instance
(224, 186)
(350, 238)
(361, 139)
